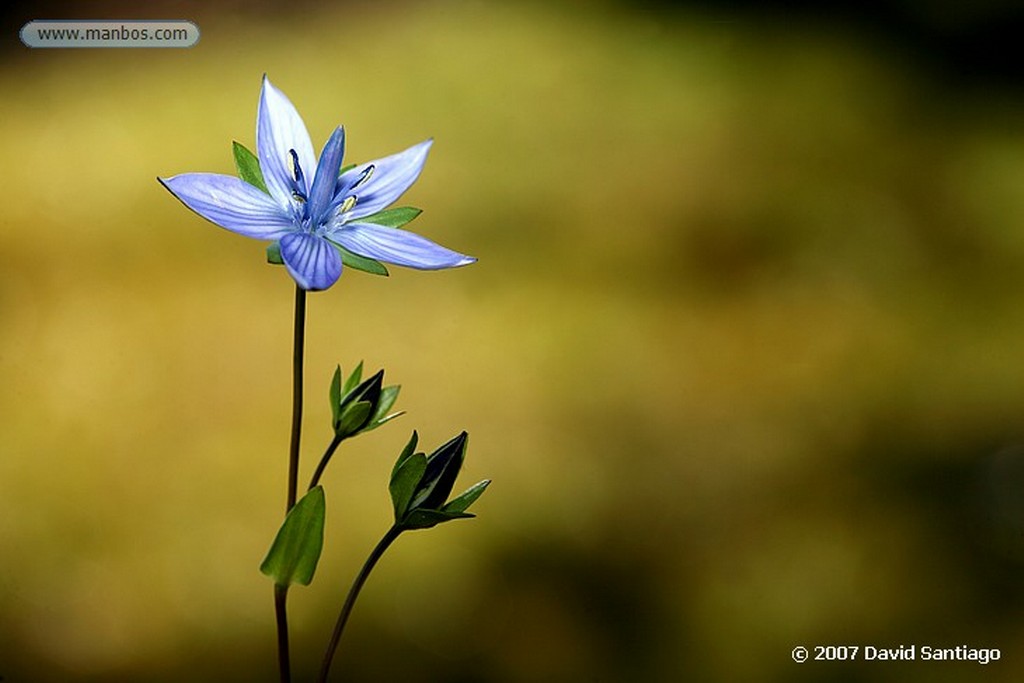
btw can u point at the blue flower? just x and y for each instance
(308, 208)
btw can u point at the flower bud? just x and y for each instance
(420, 485)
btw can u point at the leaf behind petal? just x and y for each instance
(274, 254)
(367, 265)
(248, 166)
(393, 218)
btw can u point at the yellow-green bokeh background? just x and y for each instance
(742, 354)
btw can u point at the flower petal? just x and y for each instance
(326, 176)
(313, 262)
(279, 129)
(400, 247)
(230, 203)
(390, 178)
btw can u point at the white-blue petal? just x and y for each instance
(400, 247)
(279, 129)
(322, 192)
(390, 178)
(313, 262)
(231, 203)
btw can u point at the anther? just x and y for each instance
(349, 202)
(297, 169)
(367, 172)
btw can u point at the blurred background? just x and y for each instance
(742, 352)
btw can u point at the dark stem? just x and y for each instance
(353, 593)
(335, 442)
(281, 592)
(281, 612)
(297, 353)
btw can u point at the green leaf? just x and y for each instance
(354, 417)
(346, 169)
(424, 519)
(248, 166)
(406, 453)
(274, 254)
(405, 481)
(393, 218)
(388, 395)
(353, 380)
(335, 398)
(367, 265)
(461, 502)
(294, 554)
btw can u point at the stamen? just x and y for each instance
(299, 187)
(349, 202)
(367, 172)
(297, 170)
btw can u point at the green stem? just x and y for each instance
(335, 442)
(281, 592)
(353, 593)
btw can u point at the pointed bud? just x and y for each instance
(420, 485)
(354, 412)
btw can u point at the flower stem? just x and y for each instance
(281, 592)
(297, 353)
(281, 612)
(353, 593)
(335, 442)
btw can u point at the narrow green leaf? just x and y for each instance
(274, 254)
(405, 481)
(335, 398)
(393, 218)
(354, 417)
(294, 554)
(409, 449)
(424, 519)
(346, 169)
(461, 502)
(353, 380)
(367, 265)
(248, 166)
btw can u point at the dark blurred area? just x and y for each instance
(959, 43)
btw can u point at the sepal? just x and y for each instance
(248, 166)
(393, 218)
(274, 254)
(461, 502)
(405, 477)
(367, 265)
